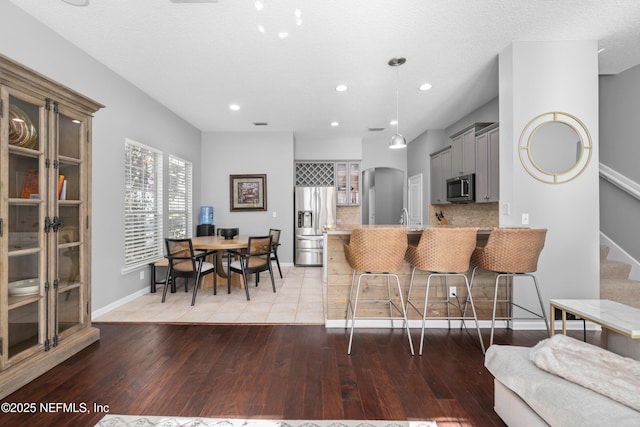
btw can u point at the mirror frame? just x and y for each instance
(533, 168)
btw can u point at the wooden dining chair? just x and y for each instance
(275, 243)
(187, 262)
(255, 259)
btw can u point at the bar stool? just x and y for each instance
(510, 252)
(443, 252)
(376, 252)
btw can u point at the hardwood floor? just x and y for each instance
(271, 371)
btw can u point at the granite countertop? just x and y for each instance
(348, 228)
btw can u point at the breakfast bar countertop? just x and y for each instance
(348, 228)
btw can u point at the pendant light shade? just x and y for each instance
(397, 140)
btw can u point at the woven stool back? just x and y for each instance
(511, 250)
(444, 250)
(376, 249)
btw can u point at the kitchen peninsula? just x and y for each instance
(338, 275)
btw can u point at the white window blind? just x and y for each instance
(142, 204)
(180, 201)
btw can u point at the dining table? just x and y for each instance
(220, 244)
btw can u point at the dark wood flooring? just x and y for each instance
(277, 372)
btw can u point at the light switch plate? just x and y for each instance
(525, 219)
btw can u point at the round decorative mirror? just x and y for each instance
(555, 147)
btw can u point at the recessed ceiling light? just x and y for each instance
(341, 88)
(259, 5)
(425, 86)
(334, 124)
(234, 107)
(261, 28)
(393, 122)
(283, 35)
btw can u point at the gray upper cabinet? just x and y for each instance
(463, 153)
(440, 172)
(488, 164)
(463, 150)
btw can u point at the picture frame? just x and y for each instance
(248, 192)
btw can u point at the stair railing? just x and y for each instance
(625, 184)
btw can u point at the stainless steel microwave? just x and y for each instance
(461, 189)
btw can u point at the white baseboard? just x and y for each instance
(616, 253)
(516, 325)
(104, 310)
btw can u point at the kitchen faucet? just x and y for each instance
(403, 215)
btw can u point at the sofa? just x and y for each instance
(564, 382)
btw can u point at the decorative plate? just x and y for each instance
(22, 132)
(24, 287)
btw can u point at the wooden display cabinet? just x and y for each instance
(45, 235)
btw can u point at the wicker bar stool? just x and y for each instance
(511, 252)
(443, 252)
(376, 252)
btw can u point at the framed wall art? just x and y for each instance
(248, 192)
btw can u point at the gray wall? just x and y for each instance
(387, 184)
(620, 150)
(270, 153)
(538, 77)
(129, 113)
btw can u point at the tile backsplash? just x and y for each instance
(348, 214)
(483, 215)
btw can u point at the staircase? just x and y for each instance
(615, 284)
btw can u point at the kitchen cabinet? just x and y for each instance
(45, 197)
(440, 172)
(488, 164)
(348, 183)
(463, 150)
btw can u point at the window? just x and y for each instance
(180, 214)
(142, 203)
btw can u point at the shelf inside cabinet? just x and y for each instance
(16, 301)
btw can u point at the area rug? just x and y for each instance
(159, 421)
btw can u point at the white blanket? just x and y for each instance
(592, 367)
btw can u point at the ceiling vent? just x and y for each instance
(260, 123)
(376, 129)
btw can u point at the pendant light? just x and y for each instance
(397, 140)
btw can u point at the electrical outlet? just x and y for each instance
(142, 275)
(525, 219)
(452, 291)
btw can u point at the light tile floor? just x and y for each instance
(298, 300)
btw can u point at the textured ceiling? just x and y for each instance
(198, 58)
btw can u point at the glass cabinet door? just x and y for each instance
(68, 214)
(354, 183)
(25, 180)
(341, 183)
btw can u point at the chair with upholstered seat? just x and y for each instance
(275, 243)
(187, 262)
(376, 252)
(255, 259)
(442, 252)
(511, 252)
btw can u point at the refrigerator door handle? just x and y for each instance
(302, 237)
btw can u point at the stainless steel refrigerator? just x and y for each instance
(315, 208)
